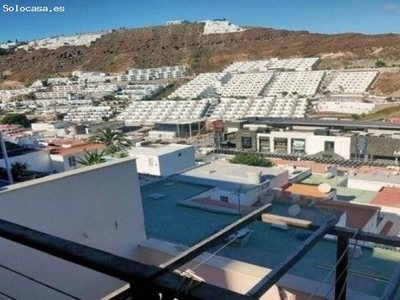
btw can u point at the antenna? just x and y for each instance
(324, 188)
(294, 210)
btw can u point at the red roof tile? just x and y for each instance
(388, 196)
(75, 149)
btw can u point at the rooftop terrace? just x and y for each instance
(268, 246)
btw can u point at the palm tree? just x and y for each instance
(92, 158)
(114, 140)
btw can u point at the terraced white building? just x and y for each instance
(353, 82)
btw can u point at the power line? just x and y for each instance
(37, 281)
(331, 272)
(215, 253)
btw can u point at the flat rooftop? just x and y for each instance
(158, 150)
(342, 193)
(387, 196)
(324, 123)
(268, 246)
(306, 190)
(229, 176)
(379, 176)
(183, 121)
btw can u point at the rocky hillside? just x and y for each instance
(184, 44)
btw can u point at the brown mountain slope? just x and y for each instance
(178, 44)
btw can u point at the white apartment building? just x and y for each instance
(304, 83)
(166, 72)
(88, 114)
(220, 26)
(140, 112)
(165, 160)
(99, 88)
(52, 95)
(349, 106)
(235, 183)
(202, 86)
(291, 64)
(60, 41)
(72, 88)
(140, 91)
(245, 85)
(48, 126)
(231, 108)
(176, 22)
(352, 82)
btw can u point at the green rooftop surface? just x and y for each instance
(316, 179)
(343, 193)
(355, 195)
(268, 246)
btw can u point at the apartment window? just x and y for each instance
(329, 146)
(298, 146)
(264, 145)
(247, 142)
(72, 161)
(224, 198)
(280, 145)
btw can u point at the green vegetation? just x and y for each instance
(16, 119)
(114, 140)
(251, 159)
(109, 97)
(196, 57)
(380, 64)
(45, 82)
(393, 111)
(92, 158)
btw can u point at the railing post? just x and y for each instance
(342, 257)
(143, 290)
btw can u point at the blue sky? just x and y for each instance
(323, 16)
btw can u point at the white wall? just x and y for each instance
(60, 163)
(253, 195)
(345, 107)
(367, 185)
(83, 206)
(177, 161)
(165, 164)
(316, 143)
(148, 164)
(38, 161)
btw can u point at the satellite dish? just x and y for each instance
(294, 210)
(324, 188)
(328, 175)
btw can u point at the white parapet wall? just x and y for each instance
(98, 206)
